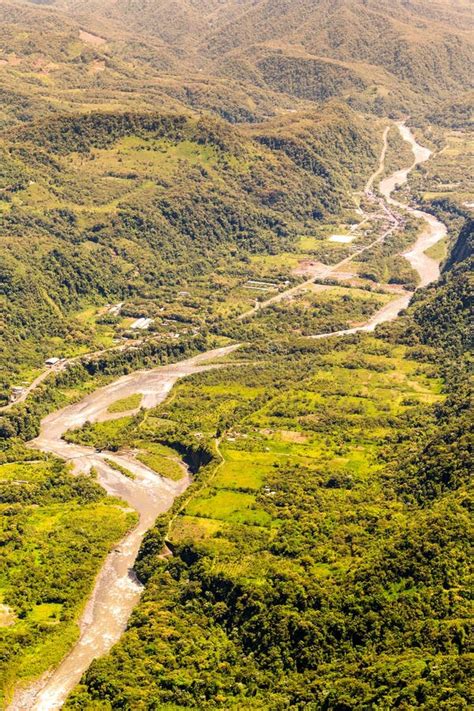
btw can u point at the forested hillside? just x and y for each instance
(320, 557)
(201, 179)
(242, 60)
(114, 207)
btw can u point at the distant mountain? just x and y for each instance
(411, 40)
(244, 59)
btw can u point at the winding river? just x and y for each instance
(116, 590)
(434, 230)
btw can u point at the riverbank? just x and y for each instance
(116, 591)
(433, 232)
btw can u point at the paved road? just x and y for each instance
(427, 268)
(393, 219)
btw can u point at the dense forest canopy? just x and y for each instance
(241, 60)
(179, 176)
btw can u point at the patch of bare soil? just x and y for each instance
(308, 268)
(7, 616)
(293, 436)
(91, 39)
(96, 67)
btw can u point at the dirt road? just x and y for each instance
(381, 167)
(427, 268)
(61, 365)
(323, 273)
(326, 271)
(34, 384)
(116, 591)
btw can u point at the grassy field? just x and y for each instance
(315, 310)
(163, 460)
(102, 435)
(164, 171)
(336, 416)
(337, 412)
(438, 251)
(448, 174)
(126, 404)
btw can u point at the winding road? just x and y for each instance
(433, 232)
(57, 367)
(116, 590)
(427, 268)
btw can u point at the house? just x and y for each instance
(17, 391)
(115, 310)
(51, 361)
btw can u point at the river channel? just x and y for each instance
(116, 590)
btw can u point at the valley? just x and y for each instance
(236, 354)
(426, 267)
(116, 592)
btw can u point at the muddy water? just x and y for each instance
(116, 591)
(434, 231)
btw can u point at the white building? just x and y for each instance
(141, 323)
(51, 361)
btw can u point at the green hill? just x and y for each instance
(321, 557)
(108, 207)
(242, 60)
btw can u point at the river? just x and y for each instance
(116, 590)
(433, 231)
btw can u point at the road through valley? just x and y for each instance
(433, 232)
(116, 590)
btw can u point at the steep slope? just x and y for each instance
(113, 206)
(320, 558)
(52, 61)
(247, 59)
(428, 46)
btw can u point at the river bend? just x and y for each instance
(116, 590)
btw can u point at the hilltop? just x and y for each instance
(245, 61)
